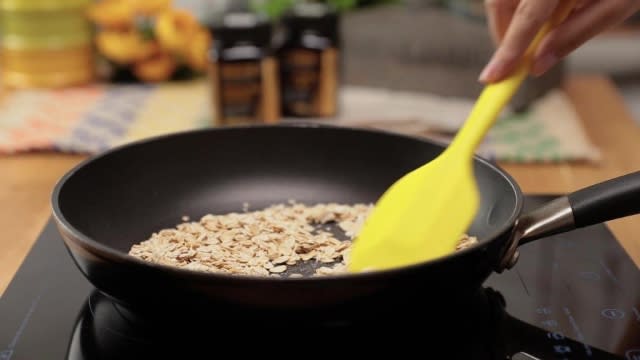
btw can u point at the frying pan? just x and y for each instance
(118, 198)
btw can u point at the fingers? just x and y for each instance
(582, 3)
(499, 14)
(592, 19)
(527, 20)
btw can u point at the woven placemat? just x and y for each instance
(95, 118)
(550, 130)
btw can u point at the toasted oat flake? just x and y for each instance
(278, 269)
(466, 242)
(264, 242)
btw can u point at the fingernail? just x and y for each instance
(543, 64)
(484, 75)
(492, 71)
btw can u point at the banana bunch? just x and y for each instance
(149, 38)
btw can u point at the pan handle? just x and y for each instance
(609, 200)
(612, 199)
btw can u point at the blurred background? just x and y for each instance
(232, 61)
(435, 34)
(452, 33)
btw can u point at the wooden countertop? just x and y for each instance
(26, 180)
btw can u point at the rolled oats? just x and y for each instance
(264, 242)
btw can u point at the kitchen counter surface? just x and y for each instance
(26, 180)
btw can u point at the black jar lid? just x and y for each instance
(316, 18)
(242, 28)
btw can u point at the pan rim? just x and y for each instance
(107, 252)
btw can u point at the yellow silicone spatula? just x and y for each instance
(424, 214)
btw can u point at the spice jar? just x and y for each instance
(243, 71)
(308, 60)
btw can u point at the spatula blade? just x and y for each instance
(411, 222)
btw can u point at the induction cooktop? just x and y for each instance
(571, 296)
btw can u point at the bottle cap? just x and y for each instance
(242, 34)
(313, 24)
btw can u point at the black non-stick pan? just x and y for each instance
(119, 198)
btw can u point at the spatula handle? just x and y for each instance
(496, 96)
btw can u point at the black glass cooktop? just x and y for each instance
(571, 296)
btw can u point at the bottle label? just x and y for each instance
(300, 81)
(309, 81)
(239, 92)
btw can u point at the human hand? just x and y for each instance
(513, 24)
